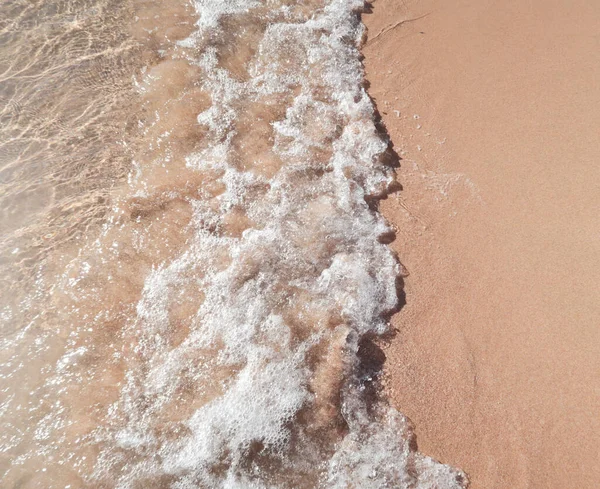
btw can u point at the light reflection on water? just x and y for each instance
(70, 124)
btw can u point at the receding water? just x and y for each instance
(195, 269)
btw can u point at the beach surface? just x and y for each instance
(494, 109)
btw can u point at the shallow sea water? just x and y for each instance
(195, 268)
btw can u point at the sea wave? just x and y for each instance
(224, 307)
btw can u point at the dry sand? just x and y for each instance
(494, 108)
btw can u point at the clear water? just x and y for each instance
(196, 269)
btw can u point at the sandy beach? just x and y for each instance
(494, 109)
(197, 280)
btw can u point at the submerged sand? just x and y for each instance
(494, 108)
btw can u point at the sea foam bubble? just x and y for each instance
(272, 350)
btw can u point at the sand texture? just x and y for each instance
(494, 108)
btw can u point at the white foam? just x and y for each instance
(287, 302)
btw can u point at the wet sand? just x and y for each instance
(494, 108)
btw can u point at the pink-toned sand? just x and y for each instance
(494, 107)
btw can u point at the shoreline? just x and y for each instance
(494, 114)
